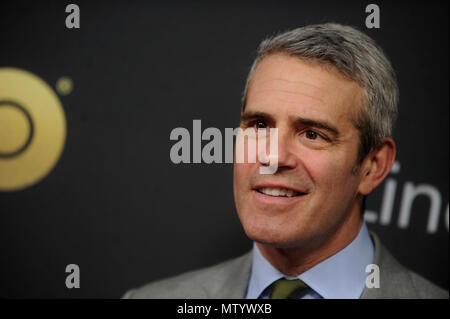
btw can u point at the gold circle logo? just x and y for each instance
(32, 129)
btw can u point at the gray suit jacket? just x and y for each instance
(228, 280)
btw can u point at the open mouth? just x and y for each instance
(278, 192)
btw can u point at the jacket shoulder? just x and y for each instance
(397, 281)
(426, 289)
(211, 282)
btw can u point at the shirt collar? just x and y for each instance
(341, 275)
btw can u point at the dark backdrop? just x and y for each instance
(119, 208)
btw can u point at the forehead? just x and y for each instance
(284, 84)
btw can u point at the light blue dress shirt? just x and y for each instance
(341, 276)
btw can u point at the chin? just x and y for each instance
(282, 243)
(268, 236)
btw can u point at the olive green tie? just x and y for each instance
(288, 289)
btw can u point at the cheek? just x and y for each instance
(241, 175)
(330, 172)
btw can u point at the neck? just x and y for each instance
(295, 260)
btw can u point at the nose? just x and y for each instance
(286, 158)
(281, 153)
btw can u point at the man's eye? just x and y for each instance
(259, 124)
(311, 135)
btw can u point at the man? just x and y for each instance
(332, 95)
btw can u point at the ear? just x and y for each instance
(376, 166)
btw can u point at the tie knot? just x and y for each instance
(288, 289)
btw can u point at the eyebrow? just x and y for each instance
(317, 124)
(248, 116)
(297, 121)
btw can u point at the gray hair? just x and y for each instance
(356, 56)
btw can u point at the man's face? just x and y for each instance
(312, 107)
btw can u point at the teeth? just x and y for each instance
(278, 192)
